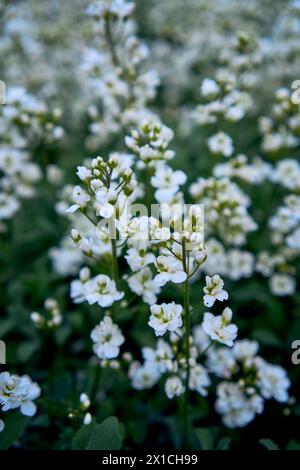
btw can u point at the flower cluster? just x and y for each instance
(248, 380)
(226, 209)
(51, 318)
(17, 392)
(280, 132)
(26, 123)
(117, 76)
(133, 242)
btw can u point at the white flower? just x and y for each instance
(2, 425)
(273, 382)
(107, 338)
(9, 387)
(156, 137)
(81, 199)
(221, 362)
(78, 290)
(287, 173)
(174, 387)
(240, 264)
(221, 143)
(237, 408)
(66, 259)
(199, 379)
(167, 182)
(245, 349)
(84, 173)
(214, 290)
(85, 400)
(18, 392)
(102, 290)
(293, 240)
(86, 246)
(209, 87)
(137, 228)
(87, 419)
(201, 340)
(218, 328)
(138, 258)
(145, 376)
(165, 317)
(142, 284)
(28, 391)
(282, 284)
(9, 205)
(162, 356)
(170, 269)
(105, 200)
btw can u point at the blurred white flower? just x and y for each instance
(174, 387)
(221, 143)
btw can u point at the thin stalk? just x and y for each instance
(115, 267)
(148, 189)
(111, 43)
(187, 327)
(206, 349)
(95, 386)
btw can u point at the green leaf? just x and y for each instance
(15, 424)
(106, 436)
(267, 337)
(81, 439)
(293, 445)
(205, 438)
(269, 444)
(26, 350)
(224, 443)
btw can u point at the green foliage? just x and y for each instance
(104, 436)
(15, 425)
(269, 444)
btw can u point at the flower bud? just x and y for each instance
(75, 235)
(200, 256)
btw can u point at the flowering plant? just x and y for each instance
(150, 225)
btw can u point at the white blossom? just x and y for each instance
(214, 290)
(170, 269)
(18, 392)
(107, 338)
(219, 328)
(199, 379)
(165, 317)
(102, 290)
(174, 387)
(282, 284)
(221, 143)
(142, 284)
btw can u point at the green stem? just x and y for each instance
(111, 43)
(187, 326)
(206, 349)
(115, 267)
(95, 386)
(148, 189)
